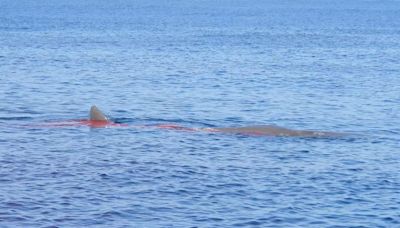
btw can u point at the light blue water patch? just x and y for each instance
(305, 65)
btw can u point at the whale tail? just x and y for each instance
(96, 115)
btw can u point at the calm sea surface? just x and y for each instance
(323, 65)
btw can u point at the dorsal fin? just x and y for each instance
(96, 114)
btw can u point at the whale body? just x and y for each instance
(99, 119)
(271, 130)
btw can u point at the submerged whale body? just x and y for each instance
(270, 130)
(98, 119)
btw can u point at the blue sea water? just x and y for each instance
(323, 65)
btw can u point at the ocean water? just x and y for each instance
(322, 65)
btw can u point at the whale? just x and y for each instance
(98, 119)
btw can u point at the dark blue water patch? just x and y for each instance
(20, 118)
(12, 109)
(8, 29)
